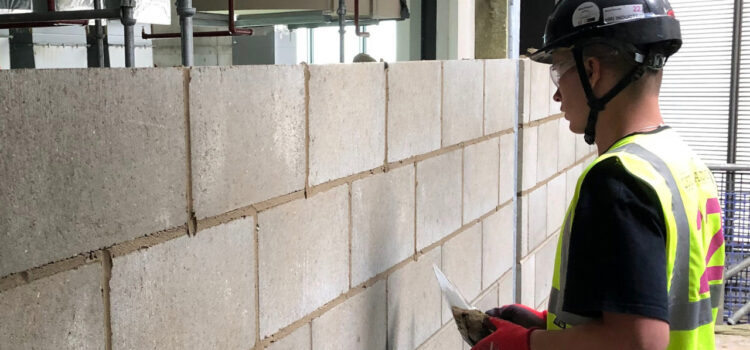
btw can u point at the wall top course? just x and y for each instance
(463, 97)
(414, 107)
(346, 120)
(84, 166)
(246, 147)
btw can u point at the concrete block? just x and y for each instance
(462, 101)
(524, 90)
(537, 217)
(438, 197)
(497, 245)
(382, 222)
(346, 120)
(507, 167)
(506, 289)
(84, 166)
(529, 136)
(448, 338)
(358, 323)
(554, 107)
(303, 257)
(414, 102)
(298, 340)
(544, 264)
(547, 149)
(246, 147)
(413, 303)
(540, 91)
(64, 311)
(499, 95)
(566, 150)
(528, 280)
(488, 299)
(462, 263)
(190, 292)
(556, 205)
(481, 178)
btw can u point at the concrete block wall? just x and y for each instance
(278, 207)
(552, 158)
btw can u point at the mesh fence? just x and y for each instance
(734, 192)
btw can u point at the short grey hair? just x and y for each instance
(618, 57)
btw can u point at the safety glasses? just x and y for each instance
(558, 69)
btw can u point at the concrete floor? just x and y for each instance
(733, 337)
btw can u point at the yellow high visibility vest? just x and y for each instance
(695, 242)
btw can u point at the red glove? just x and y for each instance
(521, 315)
(508, 336)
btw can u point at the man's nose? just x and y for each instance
(557, 96)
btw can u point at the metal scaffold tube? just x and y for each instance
(99, 35)
(128, 21)
(737, 315)
(186, 11)
(735, 269)
(342, 28)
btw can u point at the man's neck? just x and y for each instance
(623, 117)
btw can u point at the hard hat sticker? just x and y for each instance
(585, 13)
(616, 14)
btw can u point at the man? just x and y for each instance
(640, 257)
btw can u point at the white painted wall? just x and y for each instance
(4, 50)
(409, 34)
(52, 56)
(455, 29)
(285, 45)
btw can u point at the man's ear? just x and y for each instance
(593, 70)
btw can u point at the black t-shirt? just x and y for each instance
(617, 258)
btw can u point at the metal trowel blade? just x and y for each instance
(452, 294)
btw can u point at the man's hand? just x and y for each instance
(521, 315)
(508, 336)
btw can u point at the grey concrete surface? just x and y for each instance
(91, 158)
(248, 135)
(304, 257)
(191, 292)
(64, 311)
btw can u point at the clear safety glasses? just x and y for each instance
(557, 70)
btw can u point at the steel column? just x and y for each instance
(128, 21)
(734, 93)
(99, 34)
(342, 28)
(428, 45)
(734, 87)
(186, 11)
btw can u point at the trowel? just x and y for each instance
(471, 322)
(452, 294)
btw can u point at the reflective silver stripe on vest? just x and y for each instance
(556, 296)
(683, 314)
(716, 290)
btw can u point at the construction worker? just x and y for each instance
(640, 256)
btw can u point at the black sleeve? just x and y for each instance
(617, 258)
